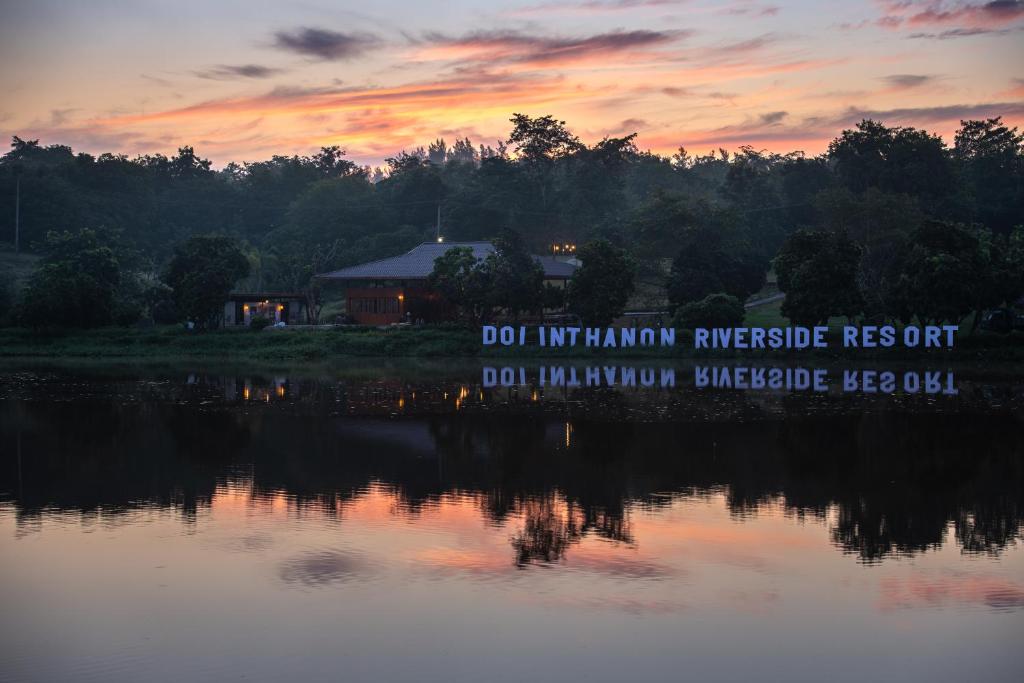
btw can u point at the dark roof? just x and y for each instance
(418, 263)
(553, 268)
(262, 296)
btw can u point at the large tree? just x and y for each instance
(74, 285)
(515, 278)
(714, 252)
(201, 274)
(818, 272)
(902, 160)
(880, 224)
(991, 158)
(461, 278)
(541, 139)
(946, 273)
(601, 286)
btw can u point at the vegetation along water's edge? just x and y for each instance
(173, 342)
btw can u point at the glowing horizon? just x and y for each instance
(240, 84)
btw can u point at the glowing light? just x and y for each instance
(440, 239)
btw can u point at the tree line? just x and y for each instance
(890, 223)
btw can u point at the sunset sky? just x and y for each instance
(243, 80)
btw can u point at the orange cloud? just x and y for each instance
(442, 94)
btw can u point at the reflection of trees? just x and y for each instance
(508, 460)
(108, 455)
(898, 479)
(546, 532)
(889, 481)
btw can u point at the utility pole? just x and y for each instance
(17, 213)
(437, 232)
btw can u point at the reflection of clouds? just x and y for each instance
(249, 543)
(620, 567)
(940, 590)
(754, 601)
(319, 569)
(613, 603)
(486, 562)
(492, 562)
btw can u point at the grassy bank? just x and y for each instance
(173, 343)
(236, 344)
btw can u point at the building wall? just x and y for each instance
(376, 305)
(240, 312)
(385, 305)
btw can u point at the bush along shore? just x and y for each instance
(173, 342)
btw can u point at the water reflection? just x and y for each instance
(894, 478)
(395, 523)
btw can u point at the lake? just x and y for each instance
(511, 521)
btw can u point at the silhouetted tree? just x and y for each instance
(201, 273)
(818, 272)
(601, 286)
(74, 285)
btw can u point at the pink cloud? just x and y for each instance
(940, 590)
(939, 13)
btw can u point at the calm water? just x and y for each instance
(523, 523)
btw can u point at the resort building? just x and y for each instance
(394, 289)
(287, 307)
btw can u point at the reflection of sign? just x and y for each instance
(568, 376)
(819, 379)
(867, 381)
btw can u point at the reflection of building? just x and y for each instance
(275, 389)
(275, 307)
(386, 291)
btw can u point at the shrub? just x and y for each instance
(714, 310)
(259, 322)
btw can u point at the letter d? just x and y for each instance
(490, 335)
